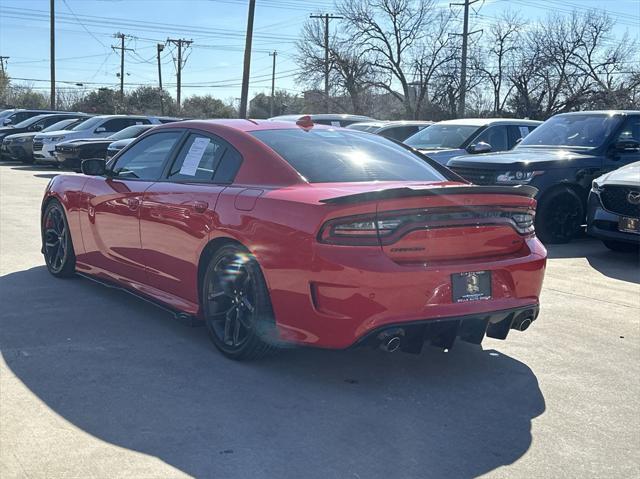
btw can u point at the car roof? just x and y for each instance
(400, 123)
(323, 116)
(488, 121)
(240, 124)
(602, 112)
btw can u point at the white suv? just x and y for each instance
(95, 127)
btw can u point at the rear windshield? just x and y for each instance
(327, 156)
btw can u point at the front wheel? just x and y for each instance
(58, 247)
(559, 216)
(236, 305)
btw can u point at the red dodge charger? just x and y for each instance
(274, 233)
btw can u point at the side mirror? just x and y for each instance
(36, 128)
(94, 167)
(100, 129)
(7, 122)
(628, 144)
(480, 147)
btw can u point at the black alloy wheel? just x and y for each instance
(57, 245)
(559, 217)
(236, 305)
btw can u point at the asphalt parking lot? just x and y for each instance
(97, 384)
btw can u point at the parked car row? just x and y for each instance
(64, 139)
(562, 158)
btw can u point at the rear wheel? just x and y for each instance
(58, 247)
(620, 246)
(559, 216)
(236, 305)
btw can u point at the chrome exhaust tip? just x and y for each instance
(391, 344)
(523, 324)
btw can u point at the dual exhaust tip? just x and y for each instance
(390, 341)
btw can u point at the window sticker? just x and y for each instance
(335, 123)
(194, 156)
(524, 131)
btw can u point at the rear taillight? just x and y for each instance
(388, 227)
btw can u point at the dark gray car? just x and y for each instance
(446, 139)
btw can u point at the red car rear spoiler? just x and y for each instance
(403, 192)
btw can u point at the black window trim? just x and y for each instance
(176, 148)
(190, 131)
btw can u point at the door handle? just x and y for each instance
(133, 203)
(200, 206)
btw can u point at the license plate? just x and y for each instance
(471, 286)
(629, 225)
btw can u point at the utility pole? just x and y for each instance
(273, 83)
(52, 52)
(463, 67)
(122, 49)
(179, 43)
(327, 17)
(2, 63)
(160, 48)
(244, 94)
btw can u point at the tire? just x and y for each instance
(621, 246)
(57, 244)
(236, 305)
(27, 160)
(559, 216)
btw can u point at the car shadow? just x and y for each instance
(622, 266)
(123, 371)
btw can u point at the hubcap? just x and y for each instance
(55, 239)
(230, 300)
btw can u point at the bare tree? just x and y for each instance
(388, 32)
(503, 41)
(350, 72)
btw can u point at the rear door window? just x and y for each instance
(324, 155)
(198, 158)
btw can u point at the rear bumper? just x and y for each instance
(348, 295)
(603, 224)
(444, 332)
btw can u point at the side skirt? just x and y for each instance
(180, 316)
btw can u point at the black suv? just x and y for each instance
(561, 158)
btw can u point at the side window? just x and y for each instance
(399, 133)
(21, 116)
(517, 133)
(145, 159)
(496, 136)
(229, 166)
(117, 124)
(630, 129)
(50, 121)
(198, 158)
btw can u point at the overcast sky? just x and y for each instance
(85, 32)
